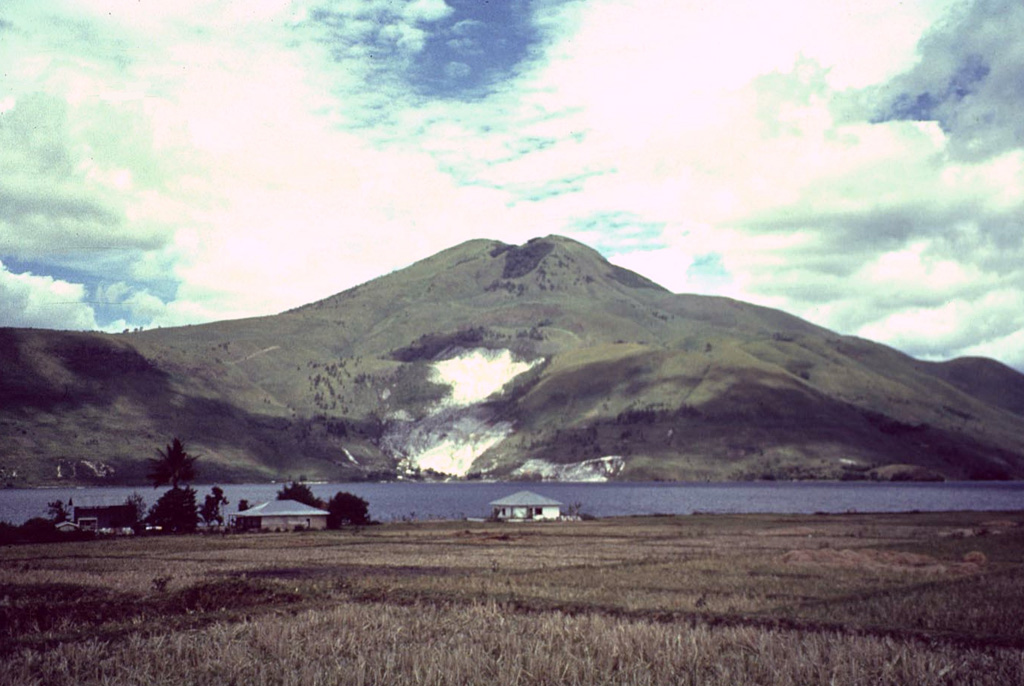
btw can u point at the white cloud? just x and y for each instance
(43, 302)
(989, 322)
(426, 10)
(911, 270)
(245, 158)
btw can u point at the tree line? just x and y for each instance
(177, 510)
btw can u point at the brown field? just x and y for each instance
(839, 599)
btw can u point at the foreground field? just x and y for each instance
(849, 599)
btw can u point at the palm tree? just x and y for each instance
(173, 466)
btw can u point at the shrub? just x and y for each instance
(39, 530)
(138, 511)
(59, 511)
(346, 508)
(176, 511)
(300, 493)
(212, 506)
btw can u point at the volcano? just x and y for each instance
(496, 361)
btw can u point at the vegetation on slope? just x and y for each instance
(680, 387)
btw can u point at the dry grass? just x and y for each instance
(719, 599)
(484, 643)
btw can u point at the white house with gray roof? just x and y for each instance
(280, 515)
(525, 505)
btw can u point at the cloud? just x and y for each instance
(46, 195)
(967, 80)
(426, 11)
(42, 302)
(856, 163)
(457, 70)
(781, 190)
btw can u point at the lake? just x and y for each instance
(421, 501)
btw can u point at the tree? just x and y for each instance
(300, 493)
(211, 510)
(58, 511)
(174, 466)
(176, 511)
(346, 508)
(138, 505)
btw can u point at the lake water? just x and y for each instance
(421, 501)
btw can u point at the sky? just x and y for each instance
(857, 163)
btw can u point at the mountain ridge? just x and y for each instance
(589, 364)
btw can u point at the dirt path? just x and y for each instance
(257, 354)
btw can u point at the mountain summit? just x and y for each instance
(488, 360)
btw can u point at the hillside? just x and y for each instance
(496, 361)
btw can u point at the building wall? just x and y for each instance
(550, 512)
(523, 512)
(286, 523)
(105, 517)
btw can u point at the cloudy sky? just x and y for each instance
(858, 163)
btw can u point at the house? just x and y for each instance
(280, 515)
(105, 517)
(525, 505)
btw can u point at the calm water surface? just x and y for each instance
(397, 501)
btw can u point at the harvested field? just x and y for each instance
(886, 560)
(699, 599)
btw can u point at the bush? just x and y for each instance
(176, 511)
(138, 511)
(211, 512)
(39, 530)
(300, 493)
(346, 508)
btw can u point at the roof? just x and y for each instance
(282, 508)
(83, 509)
(524, 499)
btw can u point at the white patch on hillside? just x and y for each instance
(447, 441)
(597, 469)
(462, 443)
(477, 374)
(459, 429)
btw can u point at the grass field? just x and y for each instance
(844, 599)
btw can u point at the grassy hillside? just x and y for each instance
(677, 386)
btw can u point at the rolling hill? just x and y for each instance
(498, 361)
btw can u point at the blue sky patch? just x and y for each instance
(104, 277)
(478, 45)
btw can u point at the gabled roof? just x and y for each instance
(282, 508)
(524, 499)
(103, 508)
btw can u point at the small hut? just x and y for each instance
(283, 515)
(105, 517)
(524, 506)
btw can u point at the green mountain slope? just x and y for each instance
(498, 361)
